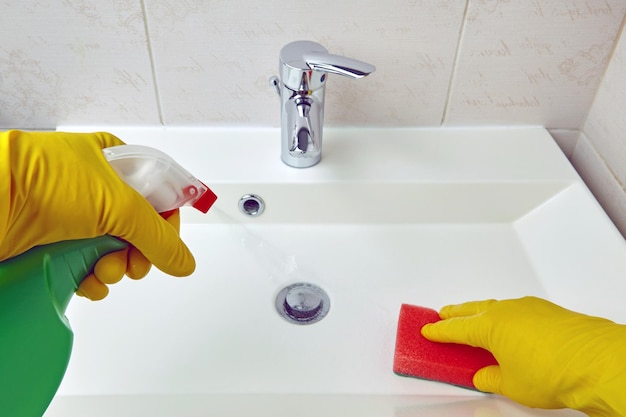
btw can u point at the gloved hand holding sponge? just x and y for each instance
(59, 186)
(548, 357)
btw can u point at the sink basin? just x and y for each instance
(390, 216)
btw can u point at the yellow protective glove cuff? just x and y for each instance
(60, 187)
(549, 357)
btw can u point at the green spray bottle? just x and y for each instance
(37, 286)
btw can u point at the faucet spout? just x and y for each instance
(303, 141)
(304, 66)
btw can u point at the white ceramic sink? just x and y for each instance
(390, 216)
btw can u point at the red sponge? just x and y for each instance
(418, 357)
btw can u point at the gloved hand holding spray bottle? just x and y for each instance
(37, 285)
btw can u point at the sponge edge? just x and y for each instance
(418, 357)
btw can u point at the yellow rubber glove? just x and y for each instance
(549, 357)
(58, 186)
(111, 268)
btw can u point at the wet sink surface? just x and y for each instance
(427, 217)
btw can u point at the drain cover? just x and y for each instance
(302, 303)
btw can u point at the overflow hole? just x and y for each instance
(251, 205)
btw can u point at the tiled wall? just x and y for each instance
(600, 152)
(532, 62)
(207, 62)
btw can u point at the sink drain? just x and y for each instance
(302, 303)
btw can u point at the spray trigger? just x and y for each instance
(158, 178)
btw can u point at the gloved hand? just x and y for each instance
(549, 357)
(112, 267)
(58, 186)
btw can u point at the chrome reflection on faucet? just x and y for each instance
(303, 67)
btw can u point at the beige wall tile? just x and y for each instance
(601, 157)
(88, 62)
(213, 59)
(74, 62)
(606, 124)
(532, 62)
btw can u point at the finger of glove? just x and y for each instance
(488, 379)
(465, 309)
(92, 288)
(461, 330)
(111, 267)
(174, 219)
(138, 265)
(106, 140)
(156, 238)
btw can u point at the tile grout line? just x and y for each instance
(155, 83)
(455, 63)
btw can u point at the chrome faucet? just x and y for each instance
(303, 68)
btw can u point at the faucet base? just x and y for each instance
(301, 161)
(303, 68)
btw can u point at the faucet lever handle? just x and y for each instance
(298, 58)
(337, 64)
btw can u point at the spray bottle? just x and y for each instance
(37, 286)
